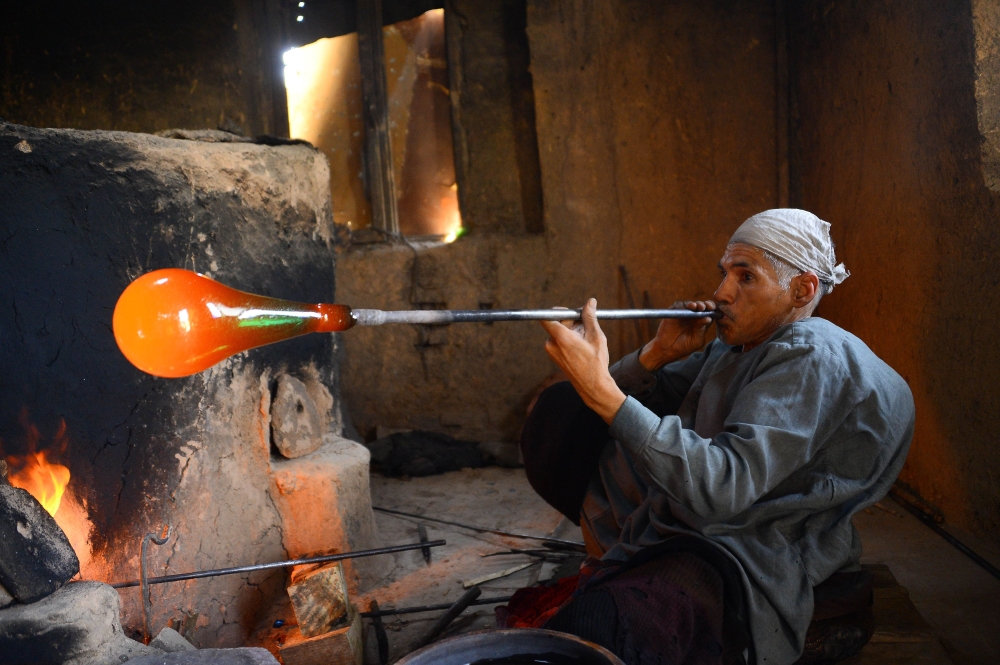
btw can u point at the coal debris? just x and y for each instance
(35, 555)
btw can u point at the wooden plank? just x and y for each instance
(380, 181)
(342, 646)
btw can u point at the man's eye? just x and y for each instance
(747, 277)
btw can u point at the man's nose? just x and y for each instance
(726, 292)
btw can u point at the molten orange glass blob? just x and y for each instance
(174, 323)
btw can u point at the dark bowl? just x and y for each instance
(492, 644)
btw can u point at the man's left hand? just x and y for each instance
(582, 355)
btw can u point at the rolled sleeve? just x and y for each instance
(634, 425)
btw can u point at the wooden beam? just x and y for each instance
(380, 182)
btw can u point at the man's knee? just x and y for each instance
(561, 444)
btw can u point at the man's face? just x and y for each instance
(750, 296)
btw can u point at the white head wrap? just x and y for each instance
(796, 236)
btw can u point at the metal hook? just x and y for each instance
(144, 577)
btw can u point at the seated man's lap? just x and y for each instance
(669, 609)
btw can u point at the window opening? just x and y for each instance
(323, 83)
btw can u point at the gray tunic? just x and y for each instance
(766, 454)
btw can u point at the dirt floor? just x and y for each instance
(492, 497)
(933, 605)
(959, 600)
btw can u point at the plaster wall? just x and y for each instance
(656, 138)
(890, 152)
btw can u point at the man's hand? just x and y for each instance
(676, 338)
(582, 355)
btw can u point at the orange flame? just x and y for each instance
(36, 472)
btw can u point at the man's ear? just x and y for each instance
(804, 289)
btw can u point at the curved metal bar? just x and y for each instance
(144, 577)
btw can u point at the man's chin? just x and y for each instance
(727, 336)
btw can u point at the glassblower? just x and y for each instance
(173, 323)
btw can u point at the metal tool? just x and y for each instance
(489, 577)
(380, 636)
(279, 564)
(144, 578)
(445, 619)
(378, 317)
(422, 533)
(417, 609)
(932, 524)
(174, 323)
(569, 544)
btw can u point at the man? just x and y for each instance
(761, 445)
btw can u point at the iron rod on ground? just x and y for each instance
(429, 608)
(955, 542)
(280, 564)
(445, 619)
(378, 317)
(555, 541)
(380, 636)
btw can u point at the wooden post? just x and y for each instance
(380, 182)
(782, 87)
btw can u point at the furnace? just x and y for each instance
(246, 463)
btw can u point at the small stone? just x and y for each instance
(170, 641)
(35, 555)
(5, 597)
(241, 656)
(78, 624)
(295, 421)
(502, 453)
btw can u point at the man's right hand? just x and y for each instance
(677, 338)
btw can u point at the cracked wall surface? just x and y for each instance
(81, 215)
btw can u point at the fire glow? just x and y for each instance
(39, 472)
(35, 472)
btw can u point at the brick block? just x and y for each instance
(342, 646)
(319, 598)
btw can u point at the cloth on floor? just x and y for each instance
(418, 453)
(669, 591)
(532, 606)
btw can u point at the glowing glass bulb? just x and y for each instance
(174, 323)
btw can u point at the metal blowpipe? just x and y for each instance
(175, 323)
(378, 317)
